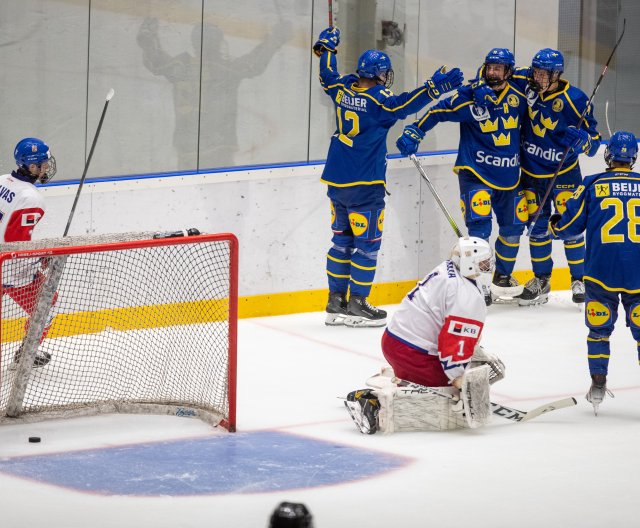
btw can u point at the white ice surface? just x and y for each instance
(563, 469)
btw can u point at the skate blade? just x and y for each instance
(362, 322)
(511, 291)
(335, 319)
(504, 300)
(543, 299)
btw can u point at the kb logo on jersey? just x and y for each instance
(597, 314)
(463, 329)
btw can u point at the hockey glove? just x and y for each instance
(553, 220)
(443, 81)
(482, 94)
(328, 40)
(408, 142)
(577, 139)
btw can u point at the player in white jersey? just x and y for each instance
(431, 339)
(21, 208)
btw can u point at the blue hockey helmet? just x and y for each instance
(374, 64)
(623, 147)
(500, 56)
(34, 151)
(548, 59)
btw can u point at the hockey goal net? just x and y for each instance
(119, 323)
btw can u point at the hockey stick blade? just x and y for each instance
(525, 416)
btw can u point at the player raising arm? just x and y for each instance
(431, 341)
(555, 107)
(355, 170)
(490, 112)
(21, 208)
(607, 206)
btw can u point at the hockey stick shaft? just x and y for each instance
(86, 165)
(330, 13)
(452, 222)
(580, 121)
(503, 411)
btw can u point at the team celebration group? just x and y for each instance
(522, 130)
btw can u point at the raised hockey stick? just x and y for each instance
(452, 222)
(584, 113)
(330, 13)
(498, 409)
(86, 165)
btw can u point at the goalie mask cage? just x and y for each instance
(132, 324)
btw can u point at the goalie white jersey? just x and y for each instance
(442, 316)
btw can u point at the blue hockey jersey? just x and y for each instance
(543, 132)
(489, 136)
(358, 150)
(607, 205)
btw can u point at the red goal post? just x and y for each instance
(119, 323)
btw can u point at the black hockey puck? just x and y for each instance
(34, 439)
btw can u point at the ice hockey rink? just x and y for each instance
(295, 442)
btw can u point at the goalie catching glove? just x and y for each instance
(482, 357)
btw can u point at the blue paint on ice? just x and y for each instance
(233, 463)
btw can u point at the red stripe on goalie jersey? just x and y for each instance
(458, 338)
(21, 224)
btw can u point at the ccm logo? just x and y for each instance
(463, 329)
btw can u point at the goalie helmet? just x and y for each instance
(475, 260)
(291, 515)
(622, 147)
(374, 64)
(34, 151)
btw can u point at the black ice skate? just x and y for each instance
(598, 391)
(361, 313)
(336, 309)
(536, 291)
(41, 359)
(577, 290)
(505, 286)
(363, 407)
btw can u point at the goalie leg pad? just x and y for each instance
(403, 409)
(475, 396)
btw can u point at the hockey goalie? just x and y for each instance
(440, 376)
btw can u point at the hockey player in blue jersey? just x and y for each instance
(490, 112)
(355, 170)
(607, 206)
(554, 124)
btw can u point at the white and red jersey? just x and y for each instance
(21, 208)
(442, 316)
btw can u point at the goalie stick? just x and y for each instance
(501, 410)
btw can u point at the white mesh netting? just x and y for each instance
(131, 327)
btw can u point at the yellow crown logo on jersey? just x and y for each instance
(501, 139)
(510, 122)
(538, 130)
(488, 125)
(549, 123)
(532, 113)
